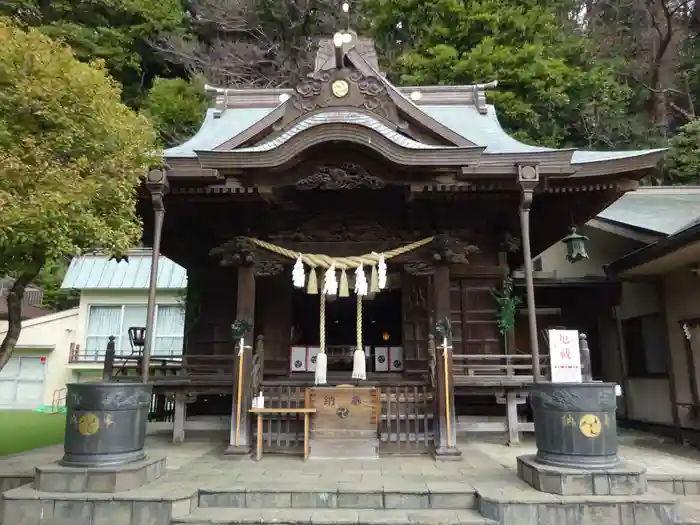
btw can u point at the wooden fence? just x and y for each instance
(404, 426)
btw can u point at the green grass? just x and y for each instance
(23, 430)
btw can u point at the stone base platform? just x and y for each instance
(626, 479)
(507, 507)
(481, 488)
(344, 505)
(57, 478)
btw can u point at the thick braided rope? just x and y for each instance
(316, 260)
(359, 323)
(322, 325)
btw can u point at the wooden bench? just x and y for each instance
(260, 412)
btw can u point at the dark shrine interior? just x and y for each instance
(381, 323)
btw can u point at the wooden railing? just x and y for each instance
(406, 419)
(283, 432)
(487, 370)
(405, 423)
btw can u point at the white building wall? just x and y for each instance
(49, 336)
(113, 297)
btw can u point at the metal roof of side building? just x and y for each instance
(662, 209)
(99, 272)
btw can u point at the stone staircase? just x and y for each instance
(345, 506)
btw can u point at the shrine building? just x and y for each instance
(361, 227)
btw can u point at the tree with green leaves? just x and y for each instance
(120, 32)
(682, 162)
(176, 107)
(72, 156)
(552, 89)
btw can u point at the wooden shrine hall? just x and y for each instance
(334, 226)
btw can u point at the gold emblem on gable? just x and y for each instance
(589, 425)
(340, 88)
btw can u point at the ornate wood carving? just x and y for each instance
(365, 92)
(241, 252)
(268, 268)
(449, 250)
(237, 252)
(346, 176)
(419, 268)
(343, 228)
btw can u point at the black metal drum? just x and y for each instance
(575, 424)
(105, 423)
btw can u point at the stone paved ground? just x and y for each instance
(485, 461)
(486, 464)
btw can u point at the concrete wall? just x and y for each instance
(647, 399)
(682, 297)
(49, 336)
(602, 248)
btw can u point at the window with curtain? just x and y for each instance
(170, 331)
(104, 321)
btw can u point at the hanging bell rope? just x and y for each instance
(359, 359)
(321, 358)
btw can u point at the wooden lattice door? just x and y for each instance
(416, 301)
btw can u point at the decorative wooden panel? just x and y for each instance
(344, 412)
(416, 299)
(475, 326)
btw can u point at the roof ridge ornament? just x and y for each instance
(479, 95)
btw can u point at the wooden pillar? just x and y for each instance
(445, 447)
(528, 178)
(241, 438)
(157, 183)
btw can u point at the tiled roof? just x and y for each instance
(482, 129)
(344, 117)
(90, 272)
(217, 128)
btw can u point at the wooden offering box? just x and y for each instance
(345, 423)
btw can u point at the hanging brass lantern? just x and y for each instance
(575, 246)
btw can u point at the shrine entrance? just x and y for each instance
(381, 328)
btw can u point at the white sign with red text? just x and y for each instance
(564, 356)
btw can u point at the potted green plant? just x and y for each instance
(507, 309)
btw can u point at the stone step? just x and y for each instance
(221, 516)
(343, 448)
(515, 506)
(437, 497)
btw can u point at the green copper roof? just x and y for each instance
(482, 129)
(217, 128)
(98, 272)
